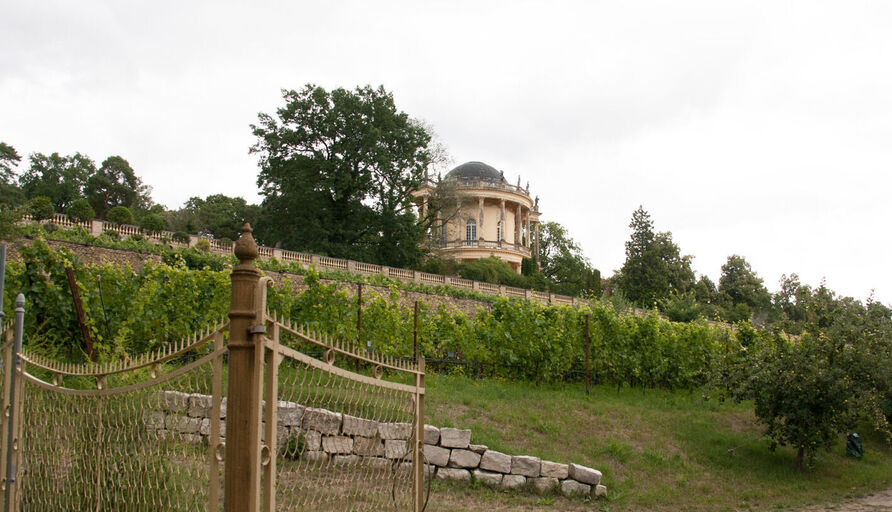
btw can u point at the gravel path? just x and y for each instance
(881, 501)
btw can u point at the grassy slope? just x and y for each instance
(658, 450)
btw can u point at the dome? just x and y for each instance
(476, 171)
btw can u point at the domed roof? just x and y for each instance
(476, 171)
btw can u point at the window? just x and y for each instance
(471, 232)
(499, 231)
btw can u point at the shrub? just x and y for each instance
(41, 208)
(203, 245)
(152, 223)
(181, 237)
(119, 215)
(81, 211)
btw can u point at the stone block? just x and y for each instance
(341, 445)
(496, 461)
(455, 474)
(154, 419)
(431, 434)
(487, 477)
(585, 475)
(463, 459)
(199, 406)
(395, 430)
(312, 441)
(375, 462)
(479, 449)
(436, 455)
(553, 470)
(396, 449)
(545, 484)
(205, 427)
(454, 438)
(354, 426)
(182, 424)
(368, 446)
(525, 465)
(513, 481)
(322, 421)
(600, 491)
(574, 488)
(192, 438)
(290, 413)
(174, 401)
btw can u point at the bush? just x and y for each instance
(181, 237)
(490, 270)
(81, 211)
(152, 223)
(41, 208)
(119, 215)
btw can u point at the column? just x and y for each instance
(536, 245)
(529, 235)
(480, 219)
(502, 219)
(517, 221)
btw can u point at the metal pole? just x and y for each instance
(12, 441)
(415, 334)
(241, 477)
(588, 343)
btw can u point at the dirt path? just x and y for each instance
(881, 501)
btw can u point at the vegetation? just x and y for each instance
(120, 215)
(80, 210)
(342, 166)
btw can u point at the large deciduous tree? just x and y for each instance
(10, 194)
(740, 286)
(563, 263)
(61, 178)
(115, 184)
(337, 172)
(654, 267)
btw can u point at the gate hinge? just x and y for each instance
(257, 329)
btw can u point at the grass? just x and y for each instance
(658, 450)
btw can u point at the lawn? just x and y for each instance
(658, 450)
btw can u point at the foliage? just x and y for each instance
(740, 285)
(41, 208)
(488, 270)
(61, 178)
(337, 172)
(565, 268)
(80, 210)
(152, 223)
(9, 219)
(9, 159)
(115, 184)
(217, 215)
(119, 215)
(654, 267)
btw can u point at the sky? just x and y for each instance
(762, 129)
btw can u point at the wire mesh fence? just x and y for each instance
(346, 439)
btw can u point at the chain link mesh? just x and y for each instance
(344, 444)
(129, 441)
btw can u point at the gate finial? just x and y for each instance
(245, 247)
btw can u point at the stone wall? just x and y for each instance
(344, 439)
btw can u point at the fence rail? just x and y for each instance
(97, 227)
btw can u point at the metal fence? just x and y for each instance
(242, 424)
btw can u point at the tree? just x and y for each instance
(41, 208)
(61, 178)
(9, 159)
(10, 193)
(654, 267)
(219, 215)
(80, 210)
(563, 264)
(120, 215)
(114, 184)
(738, 284)
(337, 172)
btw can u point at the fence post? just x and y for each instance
(241, 489)
(418, 452)
(14, 417)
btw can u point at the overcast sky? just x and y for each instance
(762, 129)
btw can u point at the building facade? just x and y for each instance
(494, 217)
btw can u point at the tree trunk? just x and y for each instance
(799, 456)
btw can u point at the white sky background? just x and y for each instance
(762, 129)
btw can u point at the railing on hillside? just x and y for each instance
(97, 227)
(484, 244)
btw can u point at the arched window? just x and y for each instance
(471, 232)
(499, 231)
